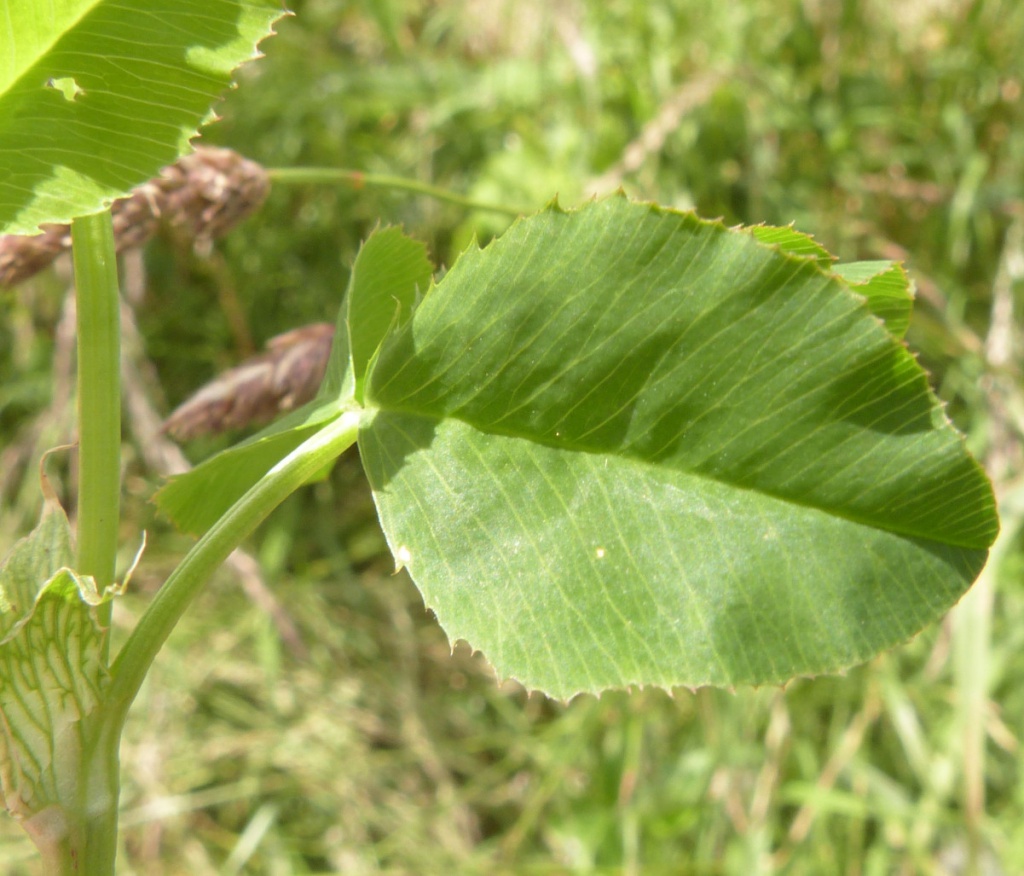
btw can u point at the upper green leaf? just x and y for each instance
(626, 446)
(97, 95)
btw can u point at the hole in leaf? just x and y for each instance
(67, 86)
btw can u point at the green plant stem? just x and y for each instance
(99, 398)
(212, 549)
(357, 179)
(97, 301)
(102, 789)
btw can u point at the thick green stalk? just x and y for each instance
(99, 490)
(101, 790)
(357, 179)
(92, 845)
(99, 395)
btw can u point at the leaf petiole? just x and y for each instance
(152, 630)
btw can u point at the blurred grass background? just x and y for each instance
(334, 732)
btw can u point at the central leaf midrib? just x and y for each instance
(371, 408)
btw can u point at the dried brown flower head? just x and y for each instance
(280, 379)
(202, 196)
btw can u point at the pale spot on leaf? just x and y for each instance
(67, 86)
(403, 556)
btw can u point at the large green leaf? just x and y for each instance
(626, 446)
(97, 95)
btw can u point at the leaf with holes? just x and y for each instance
(626, 446)
(96, 96)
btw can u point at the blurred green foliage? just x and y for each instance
(888, 130)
